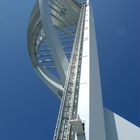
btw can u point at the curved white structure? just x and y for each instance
(51, 34)
(63, 51)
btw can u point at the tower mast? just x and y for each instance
(81, 109)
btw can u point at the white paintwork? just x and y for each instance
(53, 41)
(87, 1)
(100, 123)
(50, 80)
(90, 107)
(124, 129)
(110, 126)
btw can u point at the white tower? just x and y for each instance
(62, 46)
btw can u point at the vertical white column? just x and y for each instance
(90, 106)
(83, 102)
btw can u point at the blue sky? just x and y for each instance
(28, 109)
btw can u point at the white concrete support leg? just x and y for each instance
(90, 106)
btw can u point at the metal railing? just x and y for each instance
(69, 101)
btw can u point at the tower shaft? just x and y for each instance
(90, 106)
(81, 110)
(69, 101)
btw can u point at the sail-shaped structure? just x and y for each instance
(63, 50)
